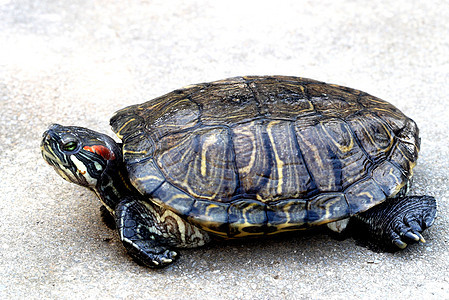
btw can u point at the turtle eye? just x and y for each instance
(70, 146)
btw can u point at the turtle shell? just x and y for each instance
(260, 155)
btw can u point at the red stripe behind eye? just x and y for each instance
(101, 150)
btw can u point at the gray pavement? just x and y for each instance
(76, 62)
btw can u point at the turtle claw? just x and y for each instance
(162, 259)
(421, 238)
(413, 236)
(405, 235)
(399, 243)
(172, 254)
(168, 257)
(150, 255)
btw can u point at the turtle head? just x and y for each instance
(79, 155)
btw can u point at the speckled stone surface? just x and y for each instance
(76, 62)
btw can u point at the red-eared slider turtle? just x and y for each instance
(248, 156)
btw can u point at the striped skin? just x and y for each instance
(262, 155)
(80, 167)
(86, 163)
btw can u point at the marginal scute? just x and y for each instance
(137, 146)
(409, 150)
(363, 195)
(247, 217)
(287, 215)
(145, 176)
(171, 197)
(400, 156)
(389, 178)
(406, 152)
(409, 136)
(125, 124)
(326, 208)
(210, 216)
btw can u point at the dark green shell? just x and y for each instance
(260, 155)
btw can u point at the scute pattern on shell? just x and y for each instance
(260, 154)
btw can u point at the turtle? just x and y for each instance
(249, 156)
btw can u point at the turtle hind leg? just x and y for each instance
(397, 222)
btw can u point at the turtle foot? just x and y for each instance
(143, 241)
(149, 255)
(399, 222)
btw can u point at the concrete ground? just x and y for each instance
(76, 62)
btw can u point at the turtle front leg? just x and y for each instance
(149, 232)
(399, 221)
